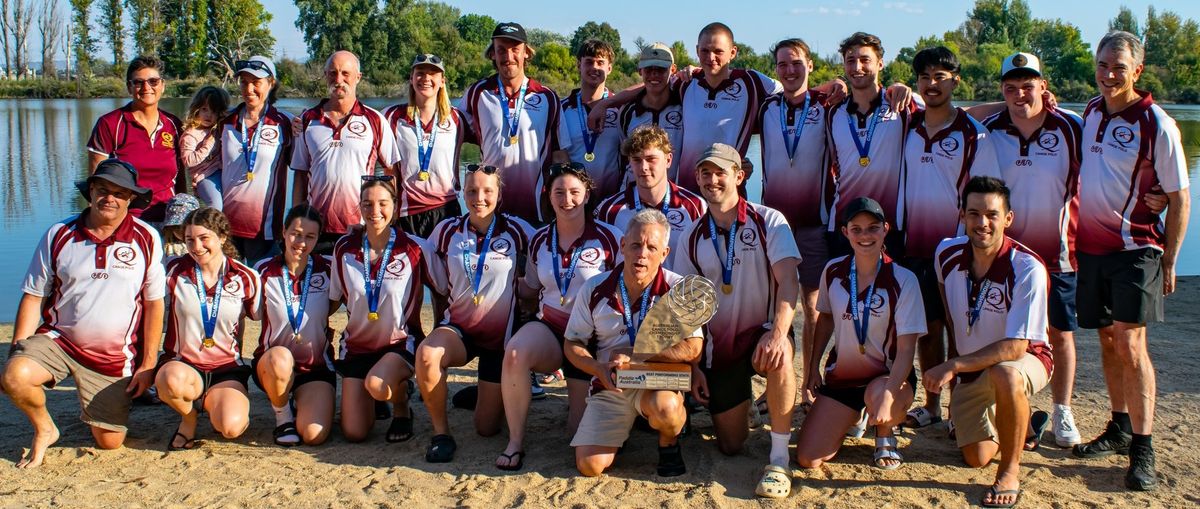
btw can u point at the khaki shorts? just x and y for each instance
(973, 404)
(103, 399)
(608, 418)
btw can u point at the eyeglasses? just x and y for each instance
(378, 178)
(572, 167)
(487, 169)
(427, 59)
(256, 65)
(153, 82)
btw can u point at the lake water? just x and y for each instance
(43, 152)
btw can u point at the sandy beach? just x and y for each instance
(251, 471)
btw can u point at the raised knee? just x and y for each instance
(590, 466)
(233, 427)
(429, 359)
(1006, 377)
(514, 359)
(314, 434)
(17, 374)
(280, 360)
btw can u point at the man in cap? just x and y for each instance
(92, 309)
(657, 103)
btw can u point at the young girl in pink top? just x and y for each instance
(202, 164)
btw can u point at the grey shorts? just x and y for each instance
(814, 254)
(103, 400)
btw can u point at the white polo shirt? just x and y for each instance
(599, 251)
(1043, 174)
(725, 114)
(488, 323)
(670, 118)
(1014, 304)
(1124, 155)
(799, 187)
(683, 208)
(314, 352)
(763, 239)
(441, 186)
(94, 291)
(537, 137)
(896, 310)
(240, 294)
(880, 178)
(408, 269)
(606, 168)
(255, 207)
(336, 158)
(935, 170)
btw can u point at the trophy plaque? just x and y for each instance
(686, 306)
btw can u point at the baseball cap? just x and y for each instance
(1027, 62)
(257, 66)
(428, 59)
(860, 205)
(120, 173)
(656, 55)
(178, 208)
(510, 30)
(723, 156)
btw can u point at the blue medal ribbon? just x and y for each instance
(295, 316)
(374, 284)
(666, 203)
(250, 146)
(861, 329)
(564, 281)
(864, 146)
(512, 120)
(482, 250)
(727, 263)
(589, 141)
(425, 152)
(626, 313)
(208, 316)
(783, 125)
(977, 306)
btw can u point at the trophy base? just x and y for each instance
(658, 376)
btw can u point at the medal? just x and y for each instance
(864, 145)
(862, 327)
(627, 314)
(790, 145)
(424, 151)
(862, 349)
(297, 338)
(374, 285)
(209, 315)
(562, 301)
(250, 143)
(482, 250)
(209, 343)
(589, 157)
(423, 176)
(249, 176)
(563, 280)
(295, 316)
(726, 289)
(727, 263)
(512, 119)
(581, 113)
(864, 161)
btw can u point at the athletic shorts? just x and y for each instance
(1061, 305)
(1123, 287)
(239, 373)
(931, 293)
(731, 385)
(855, 398)
(421, 224)
(608, 418)
(570, 371)
(491, 362)
(299, 378)
(814, 254)
(973, 404)
(358, 365)
(103, 400)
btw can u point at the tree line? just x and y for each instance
(199, 41)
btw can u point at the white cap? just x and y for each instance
(1021, 62)
(257, 66)
(656, 55)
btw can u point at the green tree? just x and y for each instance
(1064, 55)
(747, 58)
(185, 47)
(475, 28)
(237, 30)
(1000, 22)
(149, 26)
(538, 37)
(600, 31)
(84, 42)
(682, 54)
(1126, 20)
(114, 30)
(331, 26)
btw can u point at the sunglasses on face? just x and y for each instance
(427, 59)
(487, 169)
(242, 65)
(377, 178)
(153, 82)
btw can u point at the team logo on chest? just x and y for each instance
(396, 267)
(590, 255)
(1123, 135)
(270, 134)
(233, 287)
(949, 146)
(1048, 141)
(357, 127)
(610, 118)
(675, 217)
(317, 282)
(501, 246)
(749, 237)
(533, 102)
(674, 119)
(813, 115)
(168, 140)
(733, 91)
(125, 255)
(995, 299)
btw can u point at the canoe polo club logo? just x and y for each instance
(125, 254)
(534, 101)
(674, 118)
(1123, 135)
(1048, 141)
(590, 255)
(995, 299)
(501, 246)
(876, 301)
(610, 118)
(675, 217)
(814, 112)
(749, 237)
(948, 145)
(233, 287)
(270, 134)
(734, 90)
(1019, 60)
(317, 281)
(357, 127)
(396, 267)
(168, 140)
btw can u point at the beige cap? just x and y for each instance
(656, 55)
(723, 156)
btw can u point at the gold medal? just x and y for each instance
(562, 301)
(249, 176)
(423, 176)
(512, 140)
(968, 330)
(476, 299)
(862, 349)
(726, 288)
(864, 161)
(297, 338)
(589, 157)
(209, 343)
(372, 316)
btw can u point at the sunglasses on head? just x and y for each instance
(427, 59)
(377, 178)
(256, 65)
(574, 168)
(153, 82)
(485, 168)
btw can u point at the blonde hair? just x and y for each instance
(443, 105)
(644, 137)
(217, 100)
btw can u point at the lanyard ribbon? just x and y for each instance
(250, 146)
(666, 203)
(783, 125)
(512, 119)
(864, 146)
(295, 316)
(482, 250)
(727, 263)
(977, 306)
(375, 284)
(860, 329)
(563, 281)
(589, 140)
(626, 316)
(208, 316)
(425, 152)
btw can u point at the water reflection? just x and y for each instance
(43, 152)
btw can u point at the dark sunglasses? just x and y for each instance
(572, 168)
(377, 178)
(485, 168)
(427, 59)
(153, 82)
(242, 65)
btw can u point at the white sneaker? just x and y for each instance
(1063, 423)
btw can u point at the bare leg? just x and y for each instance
(593, 460)
(441, 350)
(1114, 374)
(228, 407)
(489, 409)
(275, 372)
(179, 386)
(808, 301)
(1012, 422)
(532, 348)
(1137, 373)
(22, 381)
(822, 432)
(386, 382)
(314, 412)
(886, 419)
(358, 410)
(1063, 382)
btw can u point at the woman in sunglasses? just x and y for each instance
(429, 133)
(482, 255)
(378, 273)
(562, 255)
(256, 150)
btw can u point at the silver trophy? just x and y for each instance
(687, 306)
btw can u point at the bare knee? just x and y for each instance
(976, 458)
(487, 430)
(591, 466)
(108, 440)
(730, 447)
(429, 361)
(280, 362)
(18, 374)
(809, 462)
(314, 434)
(377, 388)
(232, 426)
(355, 434)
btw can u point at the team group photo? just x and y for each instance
(578, 273)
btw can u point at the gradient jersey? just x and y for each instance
(314, 351)
(605, 168)
(683, 208)
(880, 178)
(255, 206)
(796, 185)
(441, 185)
(669, 118)
(599, 251)
(726, 113)
(240, 294)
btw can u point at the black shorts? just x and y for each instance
(299, 378)
(1124, 287)
(931, 293)
(357, 366)
(491, 362)
(421, 224)
(239, 373)
(728, 387)
(570, 371)
(855, 397)
(1061, 305)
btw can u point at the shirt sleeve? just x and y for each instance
(910, 308)
(531, 271)
(581, 327)
(823, 303)
(336, 291)
(435, 261)
(103, 140)
(389, 150)
(771, 85)
(155, 286)
(1170, 162)
(1027, 317)
(300, 160)
(564, 129)
(39, 276)
(252, 303)
(779, 235)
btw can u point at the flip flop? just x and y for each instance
(1037, 426)
(286, 430)
(441, 449)
(400, 430)
(776, 482)
(882, 452)
(188, 443)
(920, 417)
(999, 493)
(512, 467)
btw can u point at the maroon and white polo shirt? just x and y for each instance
(336, 158)
(683, 208)
(599, 251)
(441, 186)
(606, 168)
(154, 153)
(1124, 155)
(726, 113)
(537, 137)
(314, 351)
(896, 310)
(490, 321)
(94, 290)
(240, 294)
(255, 207)
(1043, 174)
(797, 186)
(880, 178)
(670, 118)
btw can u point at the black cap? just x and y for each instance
(510, 30)
(120, 173)
(858, 206)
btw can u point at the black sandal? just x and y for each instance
(188, 443)
(441, 449)
(513, 467)
(400, 430)
(287, 429)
